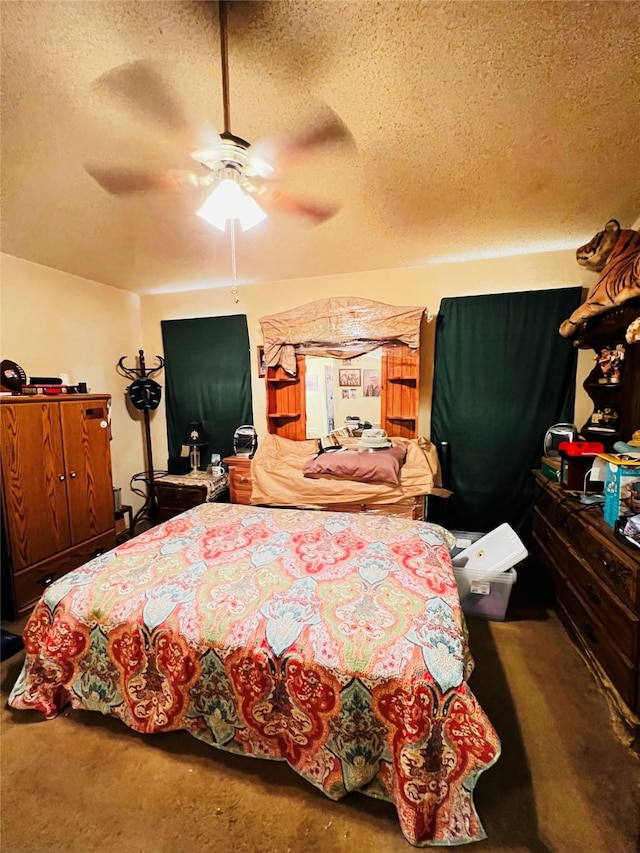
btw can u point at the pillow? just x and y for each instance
(378, 466)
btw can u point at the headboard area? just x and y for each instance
(342, 328)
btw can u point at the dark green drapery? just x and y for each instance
(208, 379)
(502, 376)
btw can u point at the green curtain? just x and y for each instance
(502, 376)
(208, 379)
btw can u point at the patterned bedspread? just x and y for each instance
(332, 641)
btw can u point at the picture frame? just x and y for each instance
(371, 383)
(262, 364)
(349, 377)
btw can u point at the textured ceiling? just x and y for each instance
(482, 129)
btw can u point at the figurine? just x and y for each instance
(610, 364)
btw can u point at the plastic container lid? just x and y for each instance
(492, 554)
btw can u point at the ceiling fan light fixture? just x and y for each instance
(252, 213)
(229, 201)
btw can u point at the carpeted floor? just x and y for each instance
(564, 782)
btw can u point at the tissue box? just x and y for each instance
(621, 487)
(487, 599)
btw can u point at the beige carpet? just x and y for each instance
(564, 783)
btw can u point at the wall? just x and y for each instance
(53, 323)
(425, 286)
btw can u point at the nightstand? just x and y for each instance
(176, 493)
(239, 478)
(172, 499)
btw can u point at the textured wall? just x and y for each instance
(53, 323)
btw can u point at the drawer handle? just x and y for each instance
(73, 475)
(244, 480)
(589, 633)
(61, 477)
(593, 595)
(47, 580)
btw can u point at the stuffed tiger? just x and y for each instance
(614, 252)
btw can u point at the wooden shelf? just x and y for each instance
(607, 385)
(399, 372)
(607, 331)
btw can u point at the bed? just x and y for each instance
(278, 475)
(332, 641)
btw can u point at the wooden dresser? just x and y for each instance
(240, 493)
(239, 479)
(597, 586)
(57, 491)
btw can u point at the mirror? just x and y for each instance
(337, 389)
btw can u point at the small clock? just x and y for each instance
(145, 393)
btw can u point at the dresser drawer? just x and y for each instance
(620, 622)
(551, 540)
(540, 551)
(31, 583)
(180, 497)
(596, 640)
(618, 569)
(240, 484)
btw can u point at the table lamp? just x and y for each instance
(195, 437)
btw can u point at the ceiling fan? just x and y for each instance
(243, 176)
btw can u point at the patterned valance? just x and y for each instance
(340, 327)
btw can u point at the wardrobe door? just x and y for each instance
(85, 430)
(34, 482)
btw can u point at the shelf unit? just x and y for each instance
(400, 377)
(399, 399)
(286, 401)
(621, 397)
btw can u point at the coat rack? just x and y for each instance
(145, 394)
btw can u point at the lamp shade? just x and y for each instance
(195, 435)
(230, 201)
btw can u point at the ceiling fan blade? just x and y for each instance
(329, 129)
(140, 86)
(271, 198)
(121, 181)
(273, 154)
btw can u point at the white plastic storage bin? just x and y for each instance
(485, 597)
(493, 553)
(464, 538)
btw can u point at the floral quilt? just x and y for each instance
(332, 641)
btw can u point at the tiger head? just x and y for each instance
(595, 254)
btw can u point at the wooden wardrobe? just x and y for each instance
(57, 491)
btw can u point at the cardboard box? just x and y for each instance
(621, 487)
(487, 599)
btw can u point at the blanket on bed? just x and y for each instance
(332, 641)
(277, 474)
